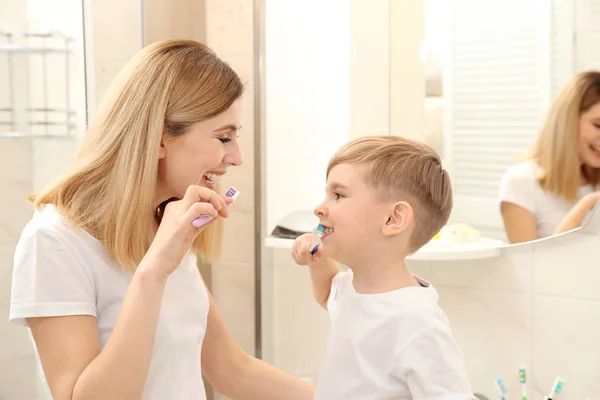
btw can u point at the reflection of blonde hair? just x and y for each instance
(401, 168)
(110, 189)
(556, 149)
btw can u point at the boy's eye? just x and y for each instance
(337, 196)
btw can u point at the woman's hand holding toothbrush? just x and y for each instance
(176, 233)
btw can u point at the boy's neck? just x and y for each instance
(381, 276)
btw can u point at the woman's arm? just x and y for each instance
(575, 217)
(519, 223)
(239, 376)
(70, 352)
(68, 346)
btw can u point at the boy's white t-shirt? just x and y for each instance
(394, 345)
(60, 270)
(520, 186)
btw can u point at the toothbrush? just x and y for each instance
(500, 388)
(198, 222)
(556, 388)
(316, 239)
(523, 379)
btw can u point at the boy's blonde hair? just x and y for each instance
(404, 169)
(557, 146)
(109, 190)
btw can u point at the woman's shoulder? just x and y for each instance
(47, 220)
(47, 225)
(524, 170)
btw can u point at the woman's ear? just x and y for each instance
(400, 219)
(162, 150)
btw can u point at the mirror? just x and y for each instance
(474, 80)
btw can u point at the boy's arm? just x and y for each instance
(432, 366)
(321, 276)
(322, 269)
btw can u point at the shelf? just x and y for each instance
(16, 49)
(22, 135)
(485, 248)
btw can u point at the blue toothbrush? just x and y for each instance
(316, 239)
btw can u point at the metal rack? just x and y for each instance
(39, 117)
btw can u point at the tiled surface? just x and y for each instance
(19, 378)
(563, 267)
(494, 331)
(16, 184)
(117, 35)
(301, 326)
(51, 157)
(238, 238)
(513, 271)
(229, 32)
(567, 344)
(235, 298)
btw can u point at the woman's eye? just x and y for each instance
(225, 140)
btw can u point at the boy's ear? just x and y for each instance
(400, 219)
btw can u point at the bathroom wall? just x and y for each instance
(334, 71)
(536, 305)
(229, 32)
(28, 164)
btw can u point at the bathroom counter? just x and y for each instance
(482, 249)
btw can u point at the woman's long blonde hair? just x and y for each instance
(556, 149)
(109, 190)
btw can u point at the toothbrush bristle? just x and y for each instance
(320, 228)
(232, 192)
(559, 386)
(522, 375)
(500, 386)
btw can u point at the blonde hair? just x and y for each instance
(556, 150)
(401, 168)
(110, 188)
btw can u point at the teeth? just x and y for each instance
(211, 178)
(328, 230)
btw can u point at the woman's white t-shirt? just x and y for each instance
(60, 270)
(520, 186)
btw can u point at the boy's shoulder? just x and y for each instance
(407, 312)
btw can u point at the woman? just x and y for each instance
(103, 272)
(555, 188)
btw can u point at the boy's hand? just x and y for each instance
(301, 250)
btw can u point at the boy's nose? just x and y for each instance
(320, 211)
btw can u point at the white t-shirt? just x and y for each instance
(60, 270)
(520, 187)
(395, 345)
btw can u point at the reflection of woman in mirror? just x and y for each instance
(552, 191)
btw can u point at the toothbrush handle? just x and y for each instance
(204, 219)
(198, 222)
(314, 250)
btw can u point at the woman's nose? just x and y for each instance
(234, 157)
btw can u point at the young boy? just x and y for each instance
(386, 197)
